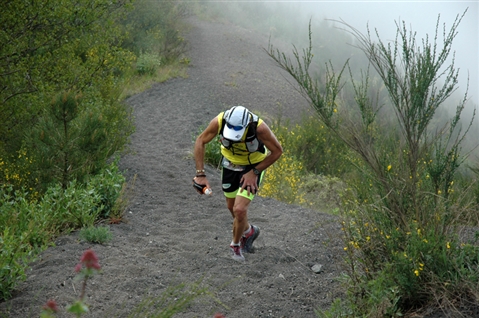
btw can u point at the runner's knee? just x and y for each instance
(239, 212)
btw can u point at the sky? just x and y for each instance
(420, 16)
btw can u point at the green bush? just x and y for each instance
(154, 26)
(108, 185)
(402, 217)
(320, 150)
(74, 139)
(147, 63)
(96, 234)
(282, 180)
(48, 53)
(15, 254)
(29, 226)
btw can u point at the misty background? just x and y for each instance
(289, 20)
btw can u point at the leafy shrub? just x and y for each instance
(16, 170)
(69, 209)
(28, 226)
(15, 254)
(96, 234)
(402, 219)
(75, 137)
(154, 26)
(320, 150)
(108, 185)
(147, 63)
(282, 180)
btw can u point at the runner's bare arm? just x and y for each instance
(264, 134)
(205, 137)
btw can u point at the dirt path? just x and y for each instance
(173, 235)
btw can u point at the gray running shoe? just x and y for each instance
(236, 253)
(247, 242)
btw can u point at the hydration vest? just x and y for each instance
(251, 142)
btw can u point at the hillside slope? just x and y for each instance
(173, 235)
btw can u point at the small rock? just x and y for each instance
(317, 268)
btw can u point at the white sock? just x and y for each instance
(248, 231)
(235, 244)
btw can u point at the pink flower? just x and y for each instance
(51, 305)
(219, 315)
(89, 259)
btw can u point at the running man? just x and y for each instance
(248, 147)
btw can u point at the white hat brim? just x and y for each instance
(234, 135)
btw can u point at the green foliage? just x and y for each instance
(304, 174)
(96, 234)
(16, 170)
(320, 150)
(15, 254)
(70, 208)
(70, 142)
(50, 47)
(401, 217)
(29, 226)
(47, 48)
(283, 179)
(109, 185)
(213, 154)
(147, 63)
(154, 29)
(78, 308)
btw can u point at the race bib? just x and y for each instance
(231, 166)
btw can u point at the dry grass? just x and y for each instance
(142, 83)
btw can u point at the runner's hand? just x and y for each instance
(248, 182)
(200, 186)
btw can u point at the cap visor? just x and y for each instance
(234, 135)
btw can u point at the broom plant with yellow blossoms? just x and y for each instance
(402, 216)
(283, 179)
(17, 173)
(304, 174)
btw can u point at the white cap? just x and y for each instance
(238, 118)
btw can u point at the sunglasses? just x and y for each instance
(235, 128)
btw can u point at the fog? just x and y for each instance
(419, 16)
